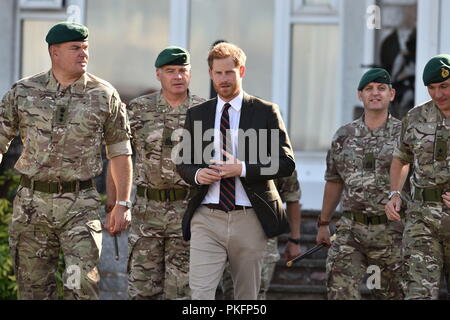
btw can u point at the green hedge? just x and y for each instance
(8, 187)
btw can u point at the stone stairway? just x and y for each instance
(306, 279)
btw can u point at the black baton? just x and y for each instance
(116, 247)
(309, 252)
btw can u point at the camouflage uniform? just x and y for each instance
(424, 143)
(360, 159)
(158, 262)
(62, 131)
(290, 191)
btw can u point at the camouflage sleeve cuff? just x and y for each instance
(402, 156)
(119, 149)
(333, 178)
(291, 197)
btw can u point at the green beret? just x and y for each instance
(377, 75)
(65, 32)
(173, 56)
(437, 69)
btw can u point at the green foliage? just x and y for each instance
(8, 187)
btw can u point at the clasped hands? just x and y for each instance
(218, 170)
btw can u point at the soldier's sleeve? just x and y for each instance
(117, 129)
(289, 188)
(9, 120)
(133, 115)
(331, 173)
(403, 149)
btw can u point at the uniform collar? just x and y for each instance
(363, 129)
(78, 86)
(164, 106)
(431, 112)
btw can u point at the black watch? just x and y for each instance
(296, 241)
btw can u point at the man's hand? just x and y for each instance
(230, 168)
(291, 251)
(118, 220)
(446, 198)
(323, 236)
(393, 207)
(208, 176)
(109, 206)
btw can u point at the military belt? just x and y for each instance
(360, 217)
(434, 195)
(56, 187)
(163, 194)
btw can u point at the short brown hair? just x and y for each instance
(224, 50)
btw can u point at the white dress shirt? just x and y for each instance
(234, 112)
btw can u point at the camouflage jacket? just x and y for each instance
(62, 129)
(425, 143)
(289, 188)
(361, 159)
(152, 122)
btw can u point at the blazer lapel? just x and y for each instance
(246, 113)
(244, 124)
(209, 115)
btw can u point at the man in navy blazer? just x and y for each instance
(236, 144)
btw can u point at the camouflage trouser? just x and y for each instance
(268, 267)
(158, 261)
(356, 248)
(41, 226)
(426, 246)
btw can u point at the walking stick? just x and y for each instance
(309, 252)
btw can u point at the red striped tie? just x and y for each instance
(227, 186)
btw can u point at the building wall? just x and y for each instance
(7, 22)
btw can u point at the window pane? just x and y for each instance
(314, 86)
(35, 57)
(125, 39)
(248, 24)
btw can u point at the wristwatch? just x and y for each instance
(322, 223)
(126, 204)
(393, 193)
(294, 240)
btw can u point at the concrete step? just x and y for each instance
(296, 292)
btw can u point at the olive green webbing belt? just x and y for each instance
(360, 217)
(163, 194)
(434, 195)
(56, 187)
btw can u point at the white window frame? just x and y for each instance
(34, 13)
(299, 7)
(432, 38)
(41, 4)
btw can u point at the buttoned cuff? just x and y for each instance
(119, 149)
(195, 177)
(244, 170)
